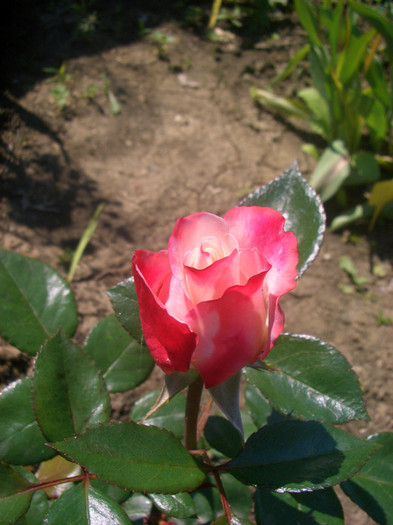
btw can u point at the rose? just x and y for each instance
(211, 300)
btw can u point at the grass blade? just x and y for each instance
(84, 241)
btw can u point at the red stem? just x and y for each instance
(224, 502)
(52, 483)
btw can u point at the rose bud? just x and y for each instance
(211, 301)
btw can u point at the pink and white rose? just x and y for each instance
(211, 301)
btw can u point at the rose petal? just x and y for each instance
(178, 304)
(251, 263)
(276, 322)
(212, 282)
(156, 271)
(188, 235)
(171, 343)
(231, 331)
(263, 228)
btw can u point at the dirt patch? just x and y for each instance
(188, 138)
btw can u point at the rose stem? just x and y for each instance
(224, 502)
(191, 418)
(53, 483)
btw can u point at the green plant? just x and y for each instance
(61, 79)
(276, 461)
(350, 101)
(383, 320)
(90, 91)
(346, 264)
(251, 15)
(87, 20)
(113, 101)
(84, 241)
(338, 104)
(159, 39)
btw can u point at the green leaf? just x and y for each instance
(234, 520)
(103, 510)
(177, 382)
(38, 505)
(332, 170)
(347, 265)
(208, 502)
(296, 456)
(365, 169)
(226, 397)
(377, 20)
(238, 494)
(319, 64)
(138, 508)
(308, 21)
(69, 392)
(13, 502)
(223, 436)
(285, 107)
(302, 208)
(248, 424)
(33, 309)
(169, 416)
(176, 506)
(111, 491)
(85, 506)
(381, 194)
(306, 378)
(208, 507)
(125, 305)
(123, 362)
(335, 29)
(360, 211)
(84, 241)
(311, 150)
(376, 78)
(260, 410)
(293, 62)
(319, 109)
(375, 116)
(354, 55)
(174, 384)
(113, 102)
(21, 441)
(372, 487)
(387, 210)
(136, 457)
(306, 508)
(37, 510)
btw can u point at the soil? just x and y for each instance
(187, 138)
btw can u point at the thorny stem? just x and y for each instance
(203, 417)
(191, 418)
(191, 434)
(224, 502)
(52, 483)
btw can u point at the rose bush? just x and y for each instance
(211, 300)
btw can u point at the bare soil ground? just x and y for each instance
(188, 138)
